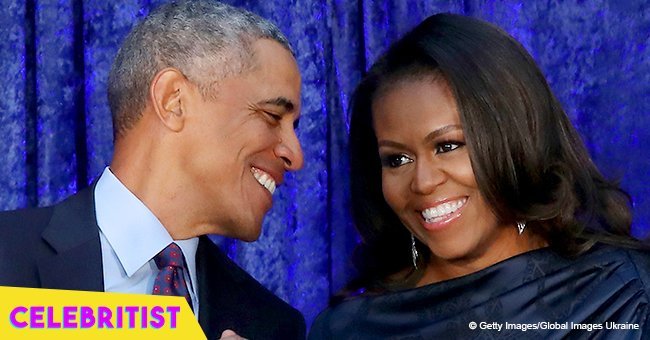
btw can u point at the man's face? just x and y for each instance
(238, 144)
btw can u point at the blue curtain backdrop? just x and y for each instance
(55, 56)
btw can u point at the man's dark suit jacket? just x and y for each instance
(58, 247)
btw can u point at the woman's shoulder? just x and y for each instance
(606, 283)
(627, 264)
(607, 253)
(354, 315)
(330, 320)
(640, 260)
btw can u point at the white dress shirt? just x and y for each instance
(130, 237)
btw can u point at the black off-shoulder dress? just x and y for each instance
(602, 294)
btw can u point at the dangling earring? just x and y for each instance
(414, 252)
(521, 226)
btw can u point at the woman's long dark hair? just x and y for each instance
(529, 162)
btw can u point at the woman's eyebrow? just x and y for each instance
(429, 138)
(441, 131)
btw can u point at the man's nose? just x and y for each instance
(290, 151)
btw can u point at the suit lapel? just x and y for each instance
(74, 235)
(217, 289)
(208, 299)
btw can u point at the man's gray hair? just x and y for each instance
(206, 40)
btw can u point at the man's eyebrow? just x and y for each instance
(282, 102)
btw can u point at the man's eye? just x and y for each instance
(394, 161)
(447, 146)
(273, 115)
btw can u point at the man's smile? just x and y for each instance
(264, 179)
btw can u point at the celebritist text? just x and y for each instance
(84, 317)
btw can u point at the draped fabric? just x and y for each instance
(608, 287)
(55, 57)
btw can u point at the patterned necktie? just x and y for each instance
(171, 280)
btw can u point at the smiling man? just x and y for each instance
(205, 99)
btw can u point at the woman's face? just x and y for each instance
(427, 177)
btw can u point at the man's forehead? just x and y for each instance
(271, 79)
(270, 53)
(277, 73)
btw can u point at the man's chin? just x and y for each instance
(249, 233)
(249, 238)
(243, 232)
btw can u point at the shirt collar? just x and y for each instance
(133, 231)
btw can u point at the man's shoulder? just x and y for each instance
(23, 222)
(24, 237)
(36, 219)
(20, 245)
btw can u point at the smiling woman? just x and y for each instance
(477, 201)
(427, 180)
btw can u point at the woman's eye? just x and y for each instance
(447, 146)
(394, 161)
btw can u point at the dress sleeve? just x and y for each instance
(641, 261)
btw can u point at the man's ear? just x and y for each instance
(166, 92)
